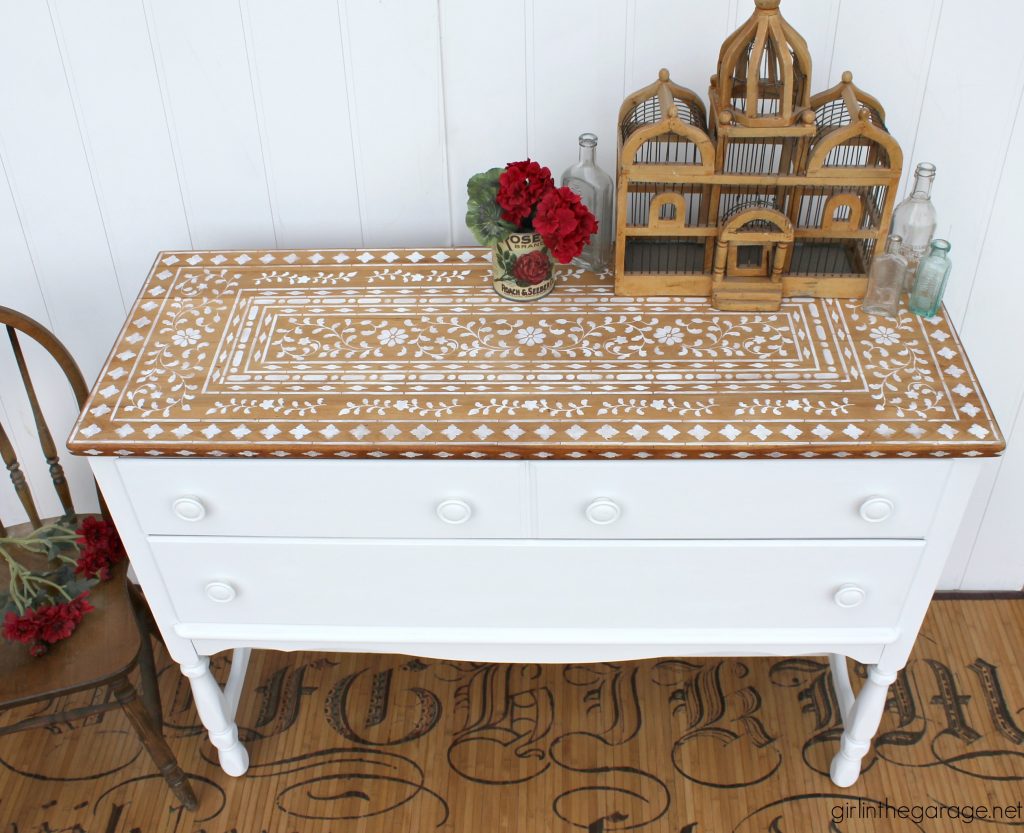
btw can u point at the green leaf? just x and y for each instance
(483, 214)
(484, 185)
(506, 263)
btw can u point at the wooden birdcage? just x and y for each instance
(774, 193)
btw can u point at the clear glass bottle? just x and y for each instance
(886, 279)
(914, 220)
(930, 283)
(596, 190)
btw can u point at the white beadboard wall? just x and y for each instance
(129, 126)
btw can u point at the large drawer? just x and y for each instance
(331, 498)
(521, 584)
(738, 498)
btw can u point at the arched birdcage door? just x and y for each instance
(749, 259)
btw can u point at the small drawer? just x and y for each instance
(338, 498)
(599, 585)
(738, 498)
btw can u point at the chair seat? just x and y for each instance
(104, 645)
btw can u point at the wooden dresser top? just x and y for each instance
(409, 353)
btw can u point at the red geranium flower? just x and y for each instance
(101, 548)
(565, 223)
(532, 268)
(520, 188)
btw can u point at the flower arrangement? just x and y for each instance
(45, 606)
(527, 220)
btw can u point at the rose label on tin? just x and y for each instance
(523, 270)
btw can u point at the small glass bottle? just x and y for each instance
(930, 283)
(596, 190)
(885, 281)
(914, 220)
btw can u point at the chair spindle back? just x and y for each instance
(16, 323)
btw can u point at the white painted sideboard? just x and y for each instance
(379, 455)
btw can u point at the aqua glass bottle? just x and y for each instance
(885, 281)
(930, 283)
(596, 190)
(914, 220)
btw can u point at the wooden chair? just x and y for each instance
(112, 639)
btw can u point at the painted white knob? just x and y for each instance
(849, 595)
(454, 511)
(220, 591)
(189, 508)
(603, 511)
(876, 509)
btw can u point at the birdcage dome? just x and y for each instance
(764, 70)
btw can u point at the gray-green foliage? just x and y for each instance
(483, 214)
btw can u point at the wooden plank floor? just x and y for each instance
(382, 744)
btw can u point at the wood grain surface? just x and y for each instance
(381, 743)
(410, 353)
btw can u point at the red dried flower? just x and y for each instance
(565, 223)
(44, 625)
(533, 267)
(520, 187)
(101, 548)
(21, 628)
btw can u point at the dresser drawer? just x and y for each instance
(509, 584)
(738, 498)
(330, 498)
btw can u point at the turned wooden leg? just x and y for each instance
(149, 684)
(217, 716)
(147, 665)
(142, 611)
(861, 723)
(154, 742)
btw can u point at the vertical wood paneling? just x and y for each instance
(888, 48)
(208, 91)
(969, 159)
(19, 290)
(52, 186)
(578, 79)
(394, 59)
(681, 35)
(996, 558)
(485, 99)
(112, 78)
(299, 80)
(57, 263)
(992, 330)
(992, 324)
(816, 20)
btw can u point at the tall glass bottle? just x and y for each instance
(885, 281)
(596, 191)
(914, 220)
(930, 283)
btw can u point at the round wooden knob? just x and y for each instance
(189, 508)
(454, 511)
(663, 74)
(849, 595)
(876, 509)
(603, 511)
(220, 592)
